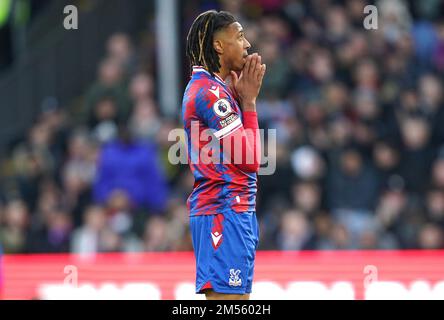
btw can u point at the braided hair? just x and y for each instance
(199, 47)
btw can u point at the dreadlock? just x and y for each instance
(199, 48)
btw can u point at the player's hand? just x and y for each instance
(249, 83)
(230, 82)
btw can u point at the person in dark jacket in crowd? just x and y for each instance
(127, 165)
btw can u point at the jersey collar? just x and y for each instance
(197, 69)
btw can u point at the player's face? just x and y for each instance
(234, 47)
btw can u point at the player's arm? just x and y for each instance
(245, 142)
(246, 88)
(238, 139)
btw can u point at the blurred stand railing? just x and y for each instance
(62, 63)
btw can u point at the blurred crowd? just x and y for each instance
(360, 139)
(95, 177)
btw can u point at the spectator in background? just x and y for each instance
(438, 53)
(94, 235)
(337, 25)
(307, 163)
(144, 121)
(352, 183)
(110, 87)
(128, 165)
(430, 99)
(339, 130)
(307, 198)
(56, 118)
(32, 161)
(322, 225)
(155, 237)
(431, 237)
(104, 119)
(395, 19)
(435, 206)
(352, 192)
(430, 95)
(335, 101)
(172, 171)
(392, 204)
(339, 239)
(50, 197)
(179, 231)
(120, 48)
(387, 161)
(14, 227)
(417, 155)
(320, 71)
(438, 172)
(276, 188)
(295, 232)
(366, 76)
(86, 239)
(78, 173)
(274, 85)
(141, 87)
(399, 218)
(369, 127)
(120, 219)
(55, 234)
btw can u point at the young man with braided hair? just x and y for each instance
(221, 97)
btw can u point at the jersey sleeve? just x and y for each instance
(216, 110)
(218, 113)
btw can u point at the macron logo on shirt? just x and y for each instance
(214, 90)
(216, 238)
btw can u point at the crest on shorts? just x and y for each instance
(235, 281)
(222, 108)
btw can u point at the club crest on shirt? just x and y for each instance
(222, 108)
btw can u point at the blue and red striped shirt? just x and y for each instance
(208, 103)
